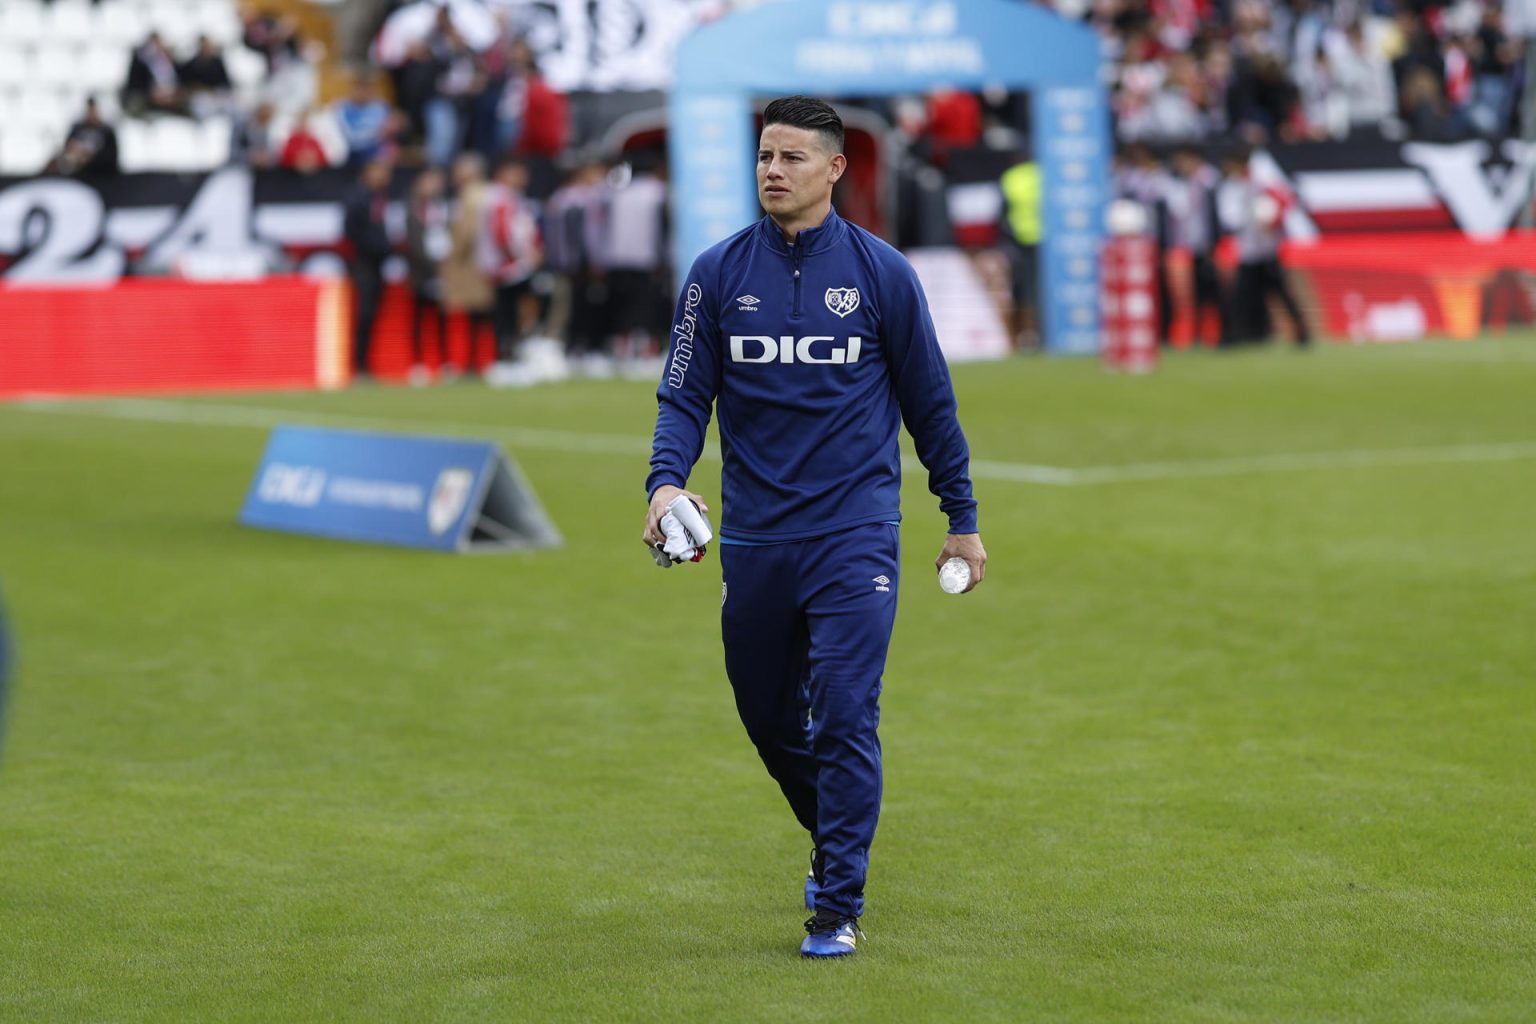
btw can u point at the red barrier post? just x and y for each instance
(1129, 294)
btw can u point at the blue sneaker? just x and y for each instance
(830, 934)
(812, 886)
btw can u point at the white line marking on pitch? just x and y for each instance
(156, 410)
(1238, 465)
(168, 411)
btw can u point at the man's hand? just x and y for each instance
(663, 497)
(966, 546)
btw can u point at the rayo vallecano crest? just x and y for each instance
(449, 496)
(842, 301)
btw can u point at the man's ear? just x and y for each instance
(838, 165)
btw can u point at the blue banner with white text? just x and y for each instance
(412, 491)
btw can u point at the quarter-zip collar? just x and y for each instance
(808, 242)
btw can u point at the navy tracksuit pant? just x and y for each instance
(806, 626)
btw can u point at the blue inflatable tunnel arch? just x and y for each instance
(884, 47)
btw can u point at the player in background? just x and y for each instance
(1023, 229)
(1194, 225)
(811, 339)
(1255, 214)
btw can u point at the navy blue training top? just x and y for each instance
(815, 353)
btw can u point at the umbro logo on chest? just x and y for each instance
(841, 301)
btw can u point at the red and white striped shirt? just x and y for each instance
(508, 247)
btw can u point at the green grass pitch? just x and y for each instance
(1243, 732)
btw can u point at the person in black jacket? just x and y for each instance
(154, 83)
(1146, 181)
(90, 148)
(1195, 226)
(415, 85)
(206, 79)
(365, 229)
(427, 243)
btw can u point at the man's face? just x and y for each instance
(795, 170)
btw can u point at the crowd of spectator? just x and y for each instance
(1190, 206)
(589, 266)
(492, 101)
(509, 226)
(1179, 70)
(197, 85)
(447, 98)
(1292, 70)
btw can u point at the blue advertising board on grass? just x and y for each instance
(420, 492)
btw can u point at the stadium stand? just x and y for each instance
(53, 56)
(1181, 70)
(1325, 93)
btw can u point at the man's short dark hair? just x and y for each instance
(809, 113)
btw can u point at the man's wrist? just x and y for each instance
(659, 486)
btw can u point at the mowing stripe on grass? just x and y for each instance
(166, 411)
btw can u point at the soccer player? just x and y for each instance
(813, 339)
(1255, 213)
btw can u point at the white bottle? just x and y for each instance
(955, 576)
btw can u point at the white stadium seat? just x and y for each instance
(21, 21)
(121, 23)
(162, 10)
(177, 145)
(55, 55)
(110, 107)
(23, 151)
(327, 130)
(15, 66)
(175, 21)
(220, 22)
(70, 20)
(104, 68)
(71, 103)
(56, 64)
(135, 145)
(180, 34)
(44, 110)
(214, 137)
(247, 68)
